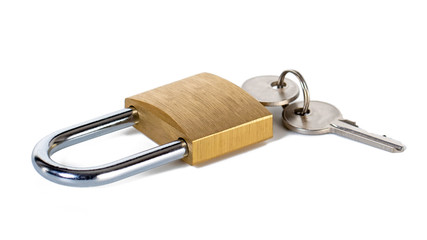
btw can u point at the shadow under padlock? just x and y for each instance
(278, 129)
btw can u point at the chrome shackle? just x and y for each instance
(107, 173)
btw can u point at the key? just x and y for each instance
(323, 118)
(268, 91)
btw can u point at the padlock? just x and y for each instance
(195, 119)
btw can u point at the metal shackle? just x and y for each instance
(107, 173)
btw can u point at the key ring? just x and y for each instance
(280, 84)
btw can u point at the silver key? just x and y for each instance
(324, 118)
(265, 89)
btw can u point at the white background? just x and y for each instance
(65, 62)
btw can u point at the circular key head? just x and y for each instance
(264, 89)
(317, 121)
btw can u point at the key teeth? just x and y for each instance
(352, 123)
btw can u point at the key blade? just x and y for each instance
(347, 130)
(349, 122)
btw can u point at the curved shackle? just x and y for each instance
(107, 173)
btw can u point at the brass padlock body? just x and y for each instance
(213, 116)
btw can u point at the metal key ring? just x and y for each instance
(280, 84)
